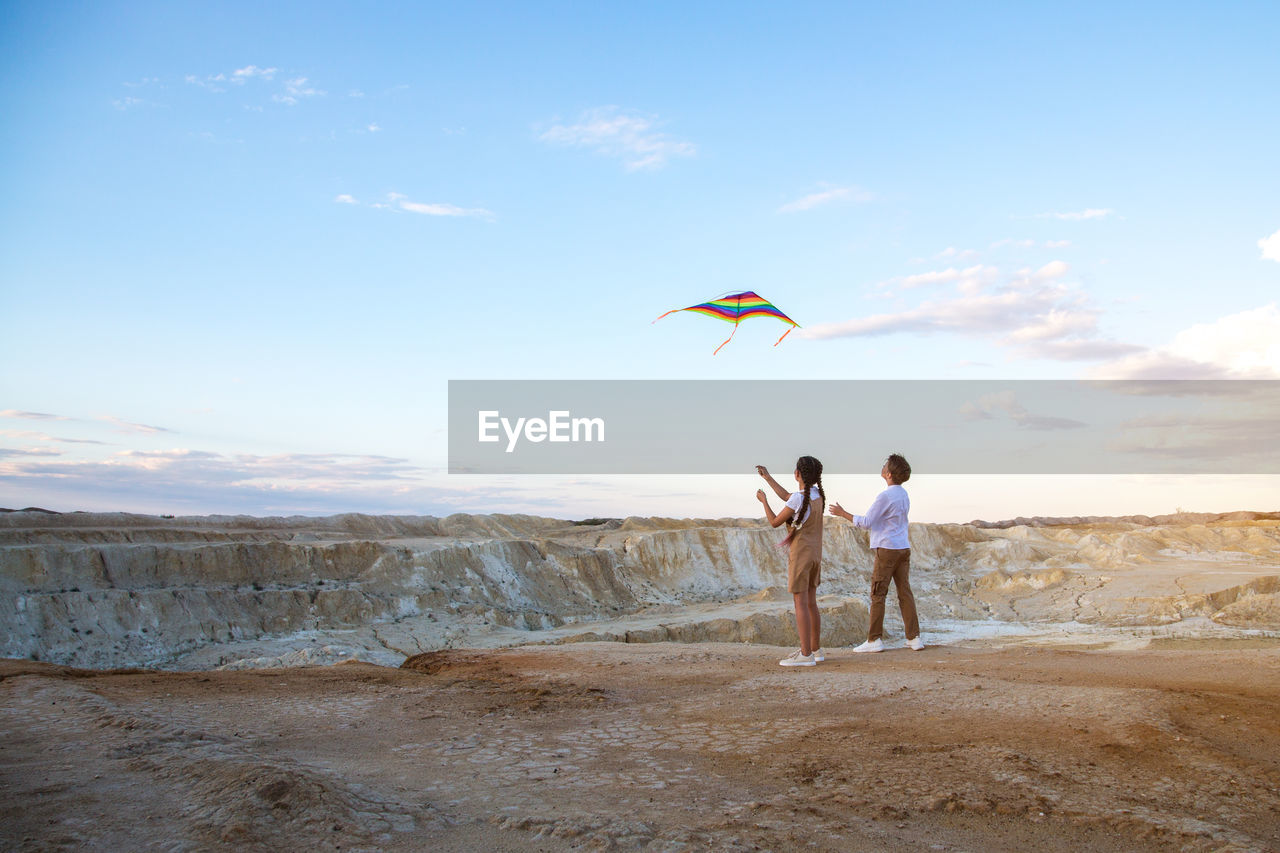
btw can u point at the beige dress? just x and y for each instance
(804, 565)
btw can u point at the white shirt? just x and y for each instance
(887, 519)
(797, 498)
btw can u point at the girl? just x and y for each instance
(803, 517)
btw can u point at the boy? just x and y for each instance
(887, 521)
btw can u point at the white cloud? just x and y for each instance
(825, 197)
(1270, 247)
(1006, 404)
(1050, 271)
(25, 433)
(373, 128)
(298, 88)
(240, 75)
(1078, 349)
(163, 480)
(41, 436)
(967, 280)
(1054, 324)
(294, 88)
(129, 426)
(927, 278)
(1031, 312)
(1076, 216)
(958, 254)
(210, 82)
(442, 209)
(399, 201)
(1239, 346)
(28, 451)
(623, 134)
(32, 416)
(1218, 422)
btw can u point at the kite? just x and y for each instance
(736, 307)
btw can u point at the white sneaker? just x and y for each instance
(818, 656)
(915, 643)
(797, 659)
(870, 646)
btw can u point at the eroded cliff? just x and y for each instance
(113, 590)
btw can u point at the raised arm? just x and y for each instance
(874, 514)
(780, 518)
(782, 493)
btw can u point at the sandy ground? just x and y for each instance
(600, 746)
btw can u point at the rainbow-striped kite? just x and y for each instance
(736, 307)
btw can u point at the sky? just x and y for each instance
(244, 247)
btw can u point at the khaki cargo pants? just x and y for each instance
(892, 564)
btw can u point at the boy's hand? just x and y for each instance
(762, 471)
(836, 509)
(760, 496)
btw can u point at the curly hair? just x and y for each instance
(899, 468)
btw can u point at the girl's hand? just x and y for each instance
(836, 509)
(760, 496)
(762, 471)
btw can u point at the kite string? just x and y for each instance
(779, 340)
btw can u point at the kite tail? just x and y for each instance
(779, 340)
(672, 311)
(726, 340)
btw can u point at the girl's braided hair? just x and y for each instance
(810, 471)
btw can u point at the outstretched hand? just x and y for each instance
(760, 496)
(836, 509)
(762, 471)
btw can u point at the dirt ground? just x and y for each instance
(604, 746)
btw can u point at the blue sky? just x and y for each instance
(243, 248)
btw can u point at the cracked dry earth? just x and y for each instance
(607, 746)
